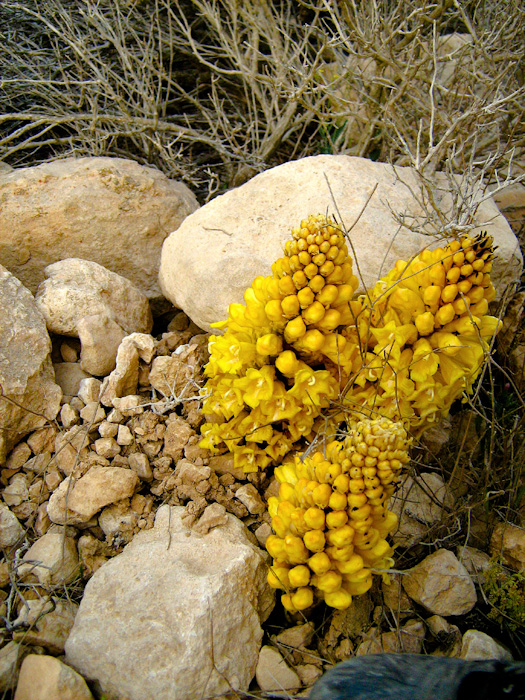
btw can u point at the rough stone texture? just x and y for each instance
(26, 372)
(441, 584)
(208, 262)
(298, 636)
(419, 502)
(478, 645)
(109, 210)
(508, 541)
(160, 598)
(475, 562)
(48, 623)
(249, 496)
(47, 678)
(408, 640)
(75, 288)
(99, 487)
(69, 375)
(273, 673)
(52, 560)
(10, 529)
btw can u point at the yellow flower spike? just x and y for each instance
(299, 576)
(303, 598)
(294, 329)
(329, 582)
(269, 344)
(340, 600)
(314, 540)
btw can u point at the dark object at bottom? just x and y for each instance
(414, 677)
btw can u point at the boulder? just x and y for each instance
(109, 210)
(441, 584)
(477, 645)
(149, 616)
(215, 254)
(29, 396)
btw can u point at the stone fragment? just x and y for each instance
(93, 553)
(118, 520)
(52, 560)
(124, 379)
(262, 533)
(68, 376)
(273, 673)
(203, 270)
(173, 375)
(110, 210)
(16, 492)
(441, 584)
(47, 678)
(408, 640)
(47, 622)
(223, 464)
(68, 416)
(26, 372)
(68, 352)
(395, 598)
(100, 337)
(124, 436)
(151, 643)
(214, 515)
(93, 413)
(99, 487)
(478, 645)
(42, 440)
(128, 406)
(508, 541)
(11, 656)
(298, 636)
(308, 674)
(10, 529)
(107, 447)
(107, 429)
(140, 464)
(249, 496)
(89, 389)
(18, 456)
(177, 435)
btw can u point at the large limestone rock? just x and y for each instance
(47, 678)
(208, 262)
(109, 210)
(29, 396)
(149, 616)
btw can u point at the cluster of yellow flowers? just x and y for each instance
(331, 517)
(399, 355)
(426, 332)
(263, 394)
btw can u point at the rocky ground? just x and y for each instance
(116, 528)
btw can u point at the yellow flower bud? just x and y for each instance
(351, 566)
(449, 293)
(328, 294)
(303, 598)
(319, 563)
(424, 323)
(286, 286)
(290, 306)
(287, 363)
(336, 518)
(313, 313)
(294, 329)
(314, 540)
(269, 344)
(329, 582)
(340, 553)
(305, 297)
(340, 600)
(330, 320)
(338, 501)
(299, 576)
(299, 279)
(315, 518)
(273, 310)
(278, 577)
(311, 270)
(444, 315)
(316, 283)
(275, 547)
(341, 536)
(321, 495)
(432, 295)
(356, 500)
(286, 600)
(312, 340)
